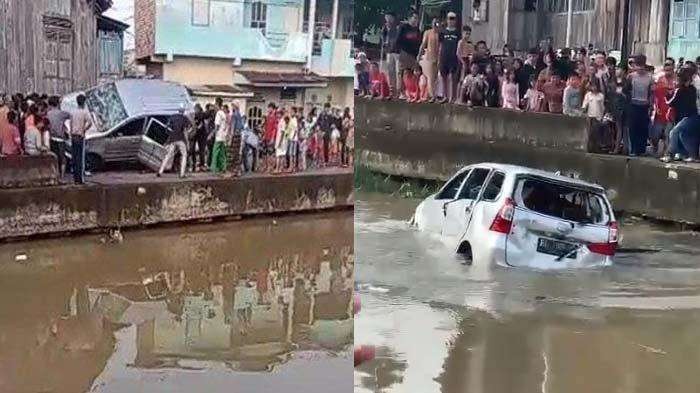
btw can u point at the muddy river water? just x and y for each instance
(253, 306)
(441, 326)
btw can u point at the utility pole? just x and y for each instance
(312, 32)
(569, 21)
(624, 50)
(334, 21)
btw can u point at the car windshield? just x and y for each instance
(566, 201)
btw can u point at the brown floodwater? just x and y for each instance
(252, 306)
(442, 326)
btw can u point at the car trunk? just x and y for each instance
(557, 223)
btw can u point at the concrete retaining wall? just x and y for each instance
(34, 211)
(26, 171)
(485, 124)
(640, 186)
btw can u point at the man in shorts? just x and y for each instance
(449, 63)
(408, 44)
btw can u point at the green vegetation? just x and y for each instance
(368, 181)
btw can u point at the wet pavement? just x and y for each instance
(254, 306)
(442, 326)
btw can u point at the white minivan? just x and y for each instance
(517, 216)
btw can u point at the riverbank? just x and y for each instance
(132, 199)
(406, 146)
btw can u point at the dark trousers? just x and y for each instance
(59, 149)
(343, 152)
(200, 143)
(326, 145)
(639, 128)
(78, 153)
(210, 150)
(248, 150)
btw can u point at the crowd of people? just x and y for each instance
(633, 109)
(34, 125)
(216, 138)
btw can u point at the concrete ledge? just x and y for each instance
(485, 124)
(642, 186)
(35, 211)
(28, 171)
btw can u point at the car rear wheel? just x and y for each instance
(465, 251)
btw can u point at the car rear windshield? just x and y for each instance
(567, 201)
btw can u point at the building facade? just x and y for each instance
(257, 46)
(52, 46)
(657, 28)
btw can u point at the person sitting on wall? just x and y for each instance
(33, 138)
(10, 139)
(379, 83)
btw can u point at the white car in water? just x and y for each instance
(517, 216)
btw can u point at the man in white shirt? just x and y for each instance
(219, 161)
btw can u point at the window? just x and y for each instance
(493, 188)
(200, 12)
(449, 191)
(562, 6)
(255, 117)
(58, 59)
(472, 187)
(685, 19)
(562, 201)
(524, 5)
(132, 128)
(58, 7)
(157, 132)
(258, 16)
(480, 12)
(288, 93)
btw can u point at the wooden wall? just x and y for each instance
(31, 62)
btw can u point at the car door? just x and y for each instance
(458, 212)
(123, 143)
(430, 214)
(152, 147)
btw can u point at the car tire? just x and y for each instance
(93, 163)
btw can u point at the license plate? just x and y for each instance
(555, 247)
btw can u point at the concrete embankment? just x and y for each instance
(113, 200)
(389, 142)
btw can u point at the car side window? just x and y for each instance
(473, 185)
(493, 188)
(449, 191)
(132, 128)
(157, 132)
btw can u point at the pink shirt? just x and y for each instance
(510, 95)
(10, 141)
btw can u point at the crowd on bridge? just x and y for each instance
(634, 109)
(216, 137)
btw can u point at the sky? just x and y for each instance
(123, 10)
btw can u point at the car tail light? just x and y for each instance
(504, 219)
(610, 247)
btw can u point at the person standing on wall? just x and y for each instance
(640, 93)
(449, 63)
(57, 124)
(325, 120)
(390, 33)
(408, 43)
(428, 56)
(176, 140)
(80, 122)
(218, 154)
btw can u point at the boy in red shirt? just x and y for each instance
(271, 121)
(379, 83)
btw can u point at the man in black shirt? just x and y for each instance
(408, 44)
(325, 121)
(390, 33)
(449, 64)
(177, 125)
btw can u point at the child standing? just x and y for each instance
(465, 49)
(594, 107)
(534, 98)
(509, 92)
(335, 144)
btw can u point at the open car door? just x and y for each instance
(152, 150)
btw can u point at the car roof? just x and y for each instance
(523, 170)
